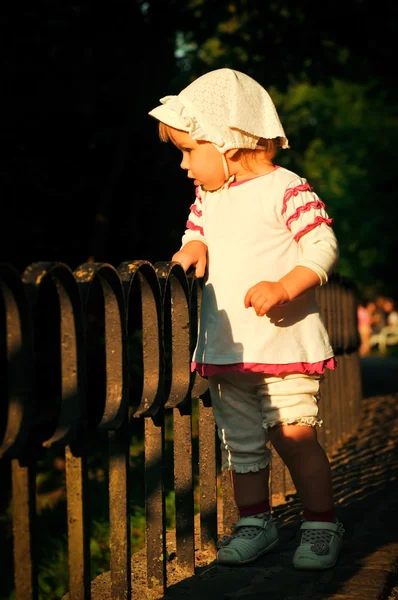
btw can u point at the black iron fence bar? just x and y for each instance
(177, 336)
(16, 411)
(23, 479)
(16, 360)
(53, 297)
(207, 475)
(54, 303)
(101, 286)
(144, 301)
(143, 297)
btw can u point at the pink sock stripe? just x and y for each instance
(317, 222)
(197, 193)
(194, 227)
(327, 516)
(254, 509)
(316, 204)
(193, 208)
(303, 187)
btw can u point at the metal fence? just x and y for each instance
(85, 353)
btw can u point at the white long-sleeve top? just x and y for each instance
(259, 230)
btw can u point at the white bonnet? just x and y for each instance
(225, 107)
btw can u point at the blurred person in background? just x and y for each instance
(391, 312)
(366, 310)
(379, 314)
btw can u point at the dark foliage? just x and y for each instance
(82, 172)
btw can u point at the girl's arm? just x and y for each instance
(299, 280)
(306, 217)
(193, 251)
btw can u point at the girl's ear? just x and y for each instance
(231, 153)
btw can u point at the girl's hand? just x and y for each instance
(192, 254)
(265, 295)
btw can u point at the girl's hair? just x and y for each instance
(270, 146)
(164, 132)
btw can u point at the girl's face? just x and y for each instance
(201, 160)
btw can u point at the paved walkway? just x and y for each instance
(365, 472)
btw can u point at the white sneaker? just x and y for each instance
(320, 545)
(251, 537)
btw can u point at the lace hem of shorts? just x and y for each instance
(304, 421)
(253, 468)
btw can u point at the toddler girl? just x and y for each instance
(263, 241)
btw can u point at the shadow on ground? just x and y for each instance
(365, 472)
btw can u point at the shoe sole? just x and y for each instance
(312, 568)
(246, 562)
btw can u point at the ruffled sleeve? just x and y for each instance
(194, 225)
(306, 217)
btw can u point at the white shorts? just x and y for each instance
(245, 405)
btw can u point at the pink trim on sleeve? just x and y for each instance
(191, 225)
(193, 208)
(304, 208)
(303, 187)
(318, 368)
(311, 226)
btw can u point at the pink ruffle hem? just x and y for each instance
(273, 370)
